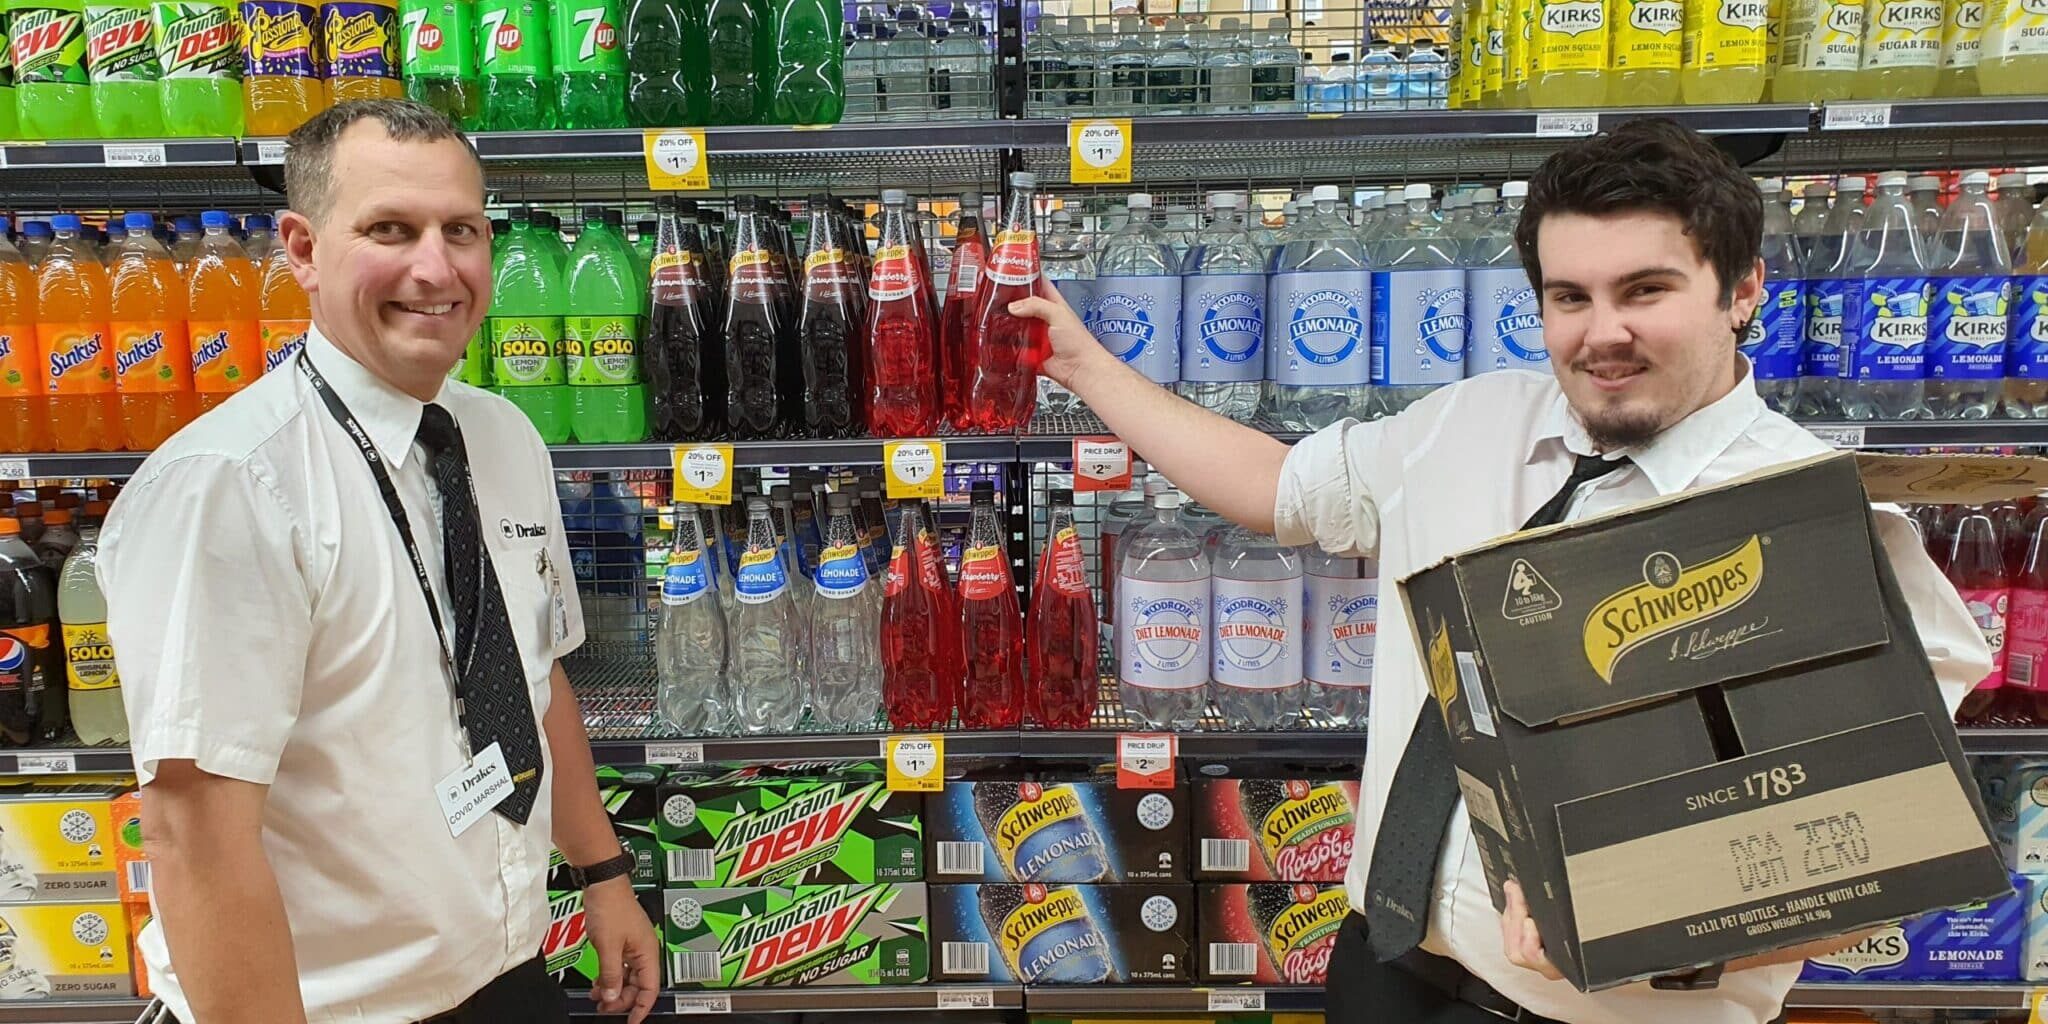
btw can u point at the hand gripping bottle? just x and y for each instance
(220, 298)
(359, 39)
(767, 682)
(440, 58)
(24, 411)
(122, 65)
(199, 45)
(281, 84)
(991, 631)
(690, 642)
(1006, 351)
(828, 328)
(601, 337)
(845, 663)
(32, 694)
(667, 62)
(590, 63)
(94, 684)
(152, 353)
(970, 255)
(1162, 620)
(513, 53)
(1968, 323)
(51, 92)
(902, 367)
(1255, 598)
(285, 314)
(71, 342)
(524, 330)
(920, 646)
(1062, 630)
(803, 63)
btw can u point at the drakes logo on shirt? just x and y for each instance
(521, 531)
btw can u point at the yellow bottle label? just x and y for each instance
(1571, 35)
(1475, 55)
(1774, 29)
(1903, 34)
(1962, 34)
(1722, 34)
(1825, 35)
(2023, 31)
(1515, 57)
(89, 657)
(1525, 14)
(1497, 12)
(1647, 34)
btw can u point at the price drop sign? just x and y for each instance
(703, 473)
(914, 469)
(1101, 464)
(677, 160)
(917, 764)
(1144, 760)
(1099, 151)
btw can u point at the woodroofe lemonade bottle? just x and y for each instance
(1901, 49)
(1726, 49)
(1646, 50)
(1571, 43)
(1822, 50)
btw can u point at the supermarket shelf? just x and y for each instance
(73, 1011)
(2004, 741)
(797, 747)
(150, 155)
(1902, 997)
(1137, 998)
(1303, 747)
(839, 999)
(859, 451)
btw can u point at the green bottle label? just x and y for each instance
(440, 38)
(601, 351)
(6, 56)
(513, 36)
(525, 350)
(198, 40)
(587, 36)
(474, 367)
(117, 45)
(49, 45)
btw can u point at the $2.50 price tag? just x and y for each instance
(1101, 464)
(1099, 151)
(677, 160)
(1144, 760)
(703, 473)
(914, 469)
(917, 764)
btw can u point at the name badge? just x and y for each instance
(473, 790)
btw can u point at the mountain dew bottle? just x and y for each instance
(52, 99)
(601, 336)
(121, 64)
(8, 128)
(440, 57)
(199, 44)
(524, 329)
(590, 63)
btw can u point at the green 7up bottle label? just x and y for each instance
(513, 37)
(440, 38)
(587, 36)
(49, 45)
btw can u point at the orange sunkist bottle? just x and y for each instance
(24, 412)
(152, 356)
(285, 313)
(220, 298)
(71, 344)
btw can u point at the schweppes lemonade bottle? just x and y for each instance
(1821, 51)
(1646, 50)
(2015, 53)
(1901, 49)
(1571, 42)
(1726, 50)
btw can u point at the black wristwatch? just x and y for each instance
(604, 870)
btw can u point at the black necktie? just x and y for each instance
(1425, 791)
(496, 706)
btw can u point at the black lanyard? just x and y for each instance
(339, 410)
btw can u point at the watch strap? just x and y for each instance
(603, 870)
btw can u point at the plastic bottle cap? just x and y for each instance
(215, 219)
(1486, 195)
(1138, 201)
(255, 222)
(1922, 182)
(1515, 190)
(57, 517)
(1892, 179)
(1023, 179)
(96, 509)
(1323, 194)
(1168, 498)
(1850, 183)
(1416, 191)
(35, 227)
(64, 222)
(970, 201)
(894, 197)
(2012, 179)
(1981, 179)
(1225, 201)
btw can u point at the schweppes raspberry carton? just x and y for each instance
(1069, 828)
(1268, 933)
(1275, 829)
(1040, 934)
(796, 935)
(1702, 728)
(720, 830)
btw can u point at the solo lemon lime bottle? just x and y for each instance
(1822, 50)
(1726, 51)
(1646, 46)
(1571, 41)
(1901, 49)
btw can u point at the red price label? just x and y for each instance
(1144, 760)
(1101, 464)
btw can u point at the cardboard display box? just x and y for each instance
(796, 935)
(1268, 933)
(721, 830)
(1278, 829)
(566, 949)
(1067, 828)
(66, 951)
(1703, 728)
(1063, 934)
(58, 840)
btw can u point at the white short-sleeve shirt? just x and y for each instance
(268, 626)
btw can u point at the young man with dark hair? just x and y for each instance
(1643, 245)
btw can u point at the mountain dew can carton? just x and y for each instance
(566, 948)
(796, 935)
(723, 829)
(628, 794)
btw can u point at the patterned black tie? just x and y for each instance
(1425, 791)
(496, 705)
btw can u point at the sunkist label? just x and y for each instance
(277, 39)
(1670, 598)
(49, 45)
(74, 358)
(150, 358)
(1967, 328)
(894, 275)
(360, 39)
(513, 36)
(282, 339)
(226, 355)
(1903, 33)
(1571, 35)
(440, 38)
(1014, 260)
(524, 350)
(20, 365)
(198, 40)
(1647, 34)
(117, 47)
(586, 37)
(1726, 34)
(984, 573)
(89, 657)
(601, 351)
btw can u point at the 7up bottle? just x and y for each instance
(512, 54)
(525, 330)
(52, 99)
(122, 66)
(590, 63)
(440, 57)
(199, 44)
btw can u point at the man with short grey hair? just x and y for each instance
(354, 736)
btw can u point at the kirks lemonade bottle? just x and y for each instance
(1726, 50)
(51, 96)
(280, 60)
(1647, 41)
(122, 65)
(71, 344)
(2015, 52)
(359, 39)
(220, 293)
(1820, 52)
(1571, 54)
(1901, 49)
(199, 46)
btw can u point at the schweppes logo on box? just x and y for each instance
(1671, 597)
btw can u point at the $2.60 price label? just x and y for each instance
(703, 473)
(1099, 151)
(677, 160)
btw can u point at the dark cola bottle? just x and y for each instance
(689, 404)
(753, 327)
(829, 328)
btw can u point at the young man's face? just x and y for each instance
(1632, 316)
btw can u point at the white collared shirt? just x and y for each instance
(1470, 463)
(269, 627)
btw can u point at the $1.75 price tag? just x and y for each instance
(1144, 760)
(703, 473)
(917, 764)
(677, 160)
(1099, 151)
(914, 469)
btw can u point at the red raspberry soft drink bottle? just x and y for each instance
(1062, 631)
(991, 631)
(902, 368)
(1976, 565)
(970, 252)
(2026, 623)
(1002, 368)
(919, 650)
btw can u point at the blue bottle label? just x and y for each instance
(1967, 328)
(842, 571)
(1223, 318)
(1138, 319)
(1418, 326)
(1080, 294)
(1821, 354)
(760, 577)
(1884, 320)
(1506, 322)
(1772, 341)
(687, 578)
(2027, 353)
(280, 38)
(1316, 322)
(361, 39)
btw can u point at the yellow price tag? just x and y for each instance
(914, 469)
(703, 473)
(2038, 1001)
(677, 160)
(1099, 151)
(917, 764)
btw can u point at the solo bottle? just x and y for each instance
(94, 684)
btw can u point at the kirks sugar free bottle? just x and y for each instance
(1901, 49)
(2015, 48)
(1821, 50)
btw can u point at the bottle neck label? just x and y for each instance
(1014, 260)
(984, 575)
(1065, 573)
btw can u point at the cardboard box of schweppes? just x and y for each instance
(1036, 934)
(57, 840)
(1703, 728)
(64, 951)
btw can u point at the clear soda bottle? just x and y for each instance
(122, 65)
(152, 351)
(24, 411)
(1062, 631)
(1223, 316)
(1419, 323)
(1884, 311)
(1771, 340)
(1503, 314)
(1827, 269)
(1068, 262)
(97, 714)
(991, 629)
(1968, 323)
(765, 639)
(1255, 602)
(920, 646)
(845, 664)
(1162, 620)
(1318, 314)
(1976, 566)
(696, 696)
(1005, 352)
(440, 58)
(1340, 623)
(2026, 385)
(590, 63)
(514, 56)
(1136, 305)
(902, 361)
(970, 256)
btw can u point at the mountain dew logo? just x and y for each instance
(197, 40)
(813, 929)
(117, 44)
(49, 45)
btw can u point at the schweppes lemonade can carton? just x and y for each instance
(1060, 828)
(750, 828)
(58, 841)
(1039, 934)
(796, 935)
(64, 951)
(1701, 728)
